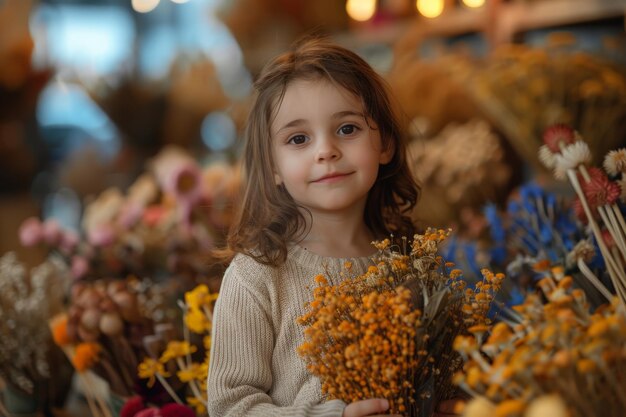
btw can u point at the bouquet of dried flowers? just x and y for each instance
(188, 359)
(538, 228)
(123, 259)
(555, 358)
(102, 334)
(559, 355)
(388, 332)
(526, 89)
(165, 224)
(568, 155)
(462, 167)
(28, 299)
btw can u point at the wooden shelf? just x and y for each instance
(498, 20)
(519, 17)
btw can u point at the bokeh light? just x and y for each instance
(430, 8)
(361, 10)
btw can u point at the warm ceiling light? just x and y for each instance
(473, 3)
(430, 8)
(361, 10)
(144, 6)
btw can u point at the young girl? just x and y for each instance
(325, 174)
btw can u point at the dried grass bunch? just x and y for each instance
(388, 332)
(462, 167)
(27, 300)
(557, 358)
(525, 89)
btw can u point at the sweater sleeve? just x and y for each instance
(240, 371)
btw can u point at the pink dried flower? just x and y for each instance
(558, 134)
(101, 235)
(599, 191)
(69, 240)
(184, 182)
(129, 214)
(31, 232)
(80, 266)
(52, 232)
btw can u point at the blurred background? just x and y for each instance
(90, 90)
(96, 94)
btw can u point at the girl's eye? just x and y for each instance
(347, 129)
(297, 140)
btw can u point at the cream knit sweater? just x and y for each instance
(254, 368)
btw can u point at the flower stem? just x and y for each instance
(593, 279)
(616, 278)
(168, 388)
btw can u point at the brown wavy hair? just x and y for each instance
(268, 218)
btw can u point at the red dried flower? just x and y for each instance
(599, 191)
(149, 412)
(132, 407)
(608, 239)
(558, 134)
(579, 211)
(176, 410)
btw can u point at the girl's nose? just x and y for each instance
(327, 151)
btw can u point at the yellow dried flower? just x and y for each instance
(149, 368)
(176, 349)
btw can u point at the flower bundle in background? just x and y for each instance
(388, 332)
(28, 299)
(555, 358)
(102, 332)
(539, 228)
(181, 366)
(568, 155)
(460, 168)
(164, 225)
(526, 89)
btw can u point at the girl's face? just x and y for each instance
(325, 152)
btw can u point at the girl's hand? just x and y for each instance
(373, 407)
(447, 408)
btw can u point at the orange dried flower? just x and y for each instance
(59, 332)
(558, 347)
(85, 356)
(371, 325)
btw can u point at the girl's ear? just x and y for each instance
(277, 179)
(387, 154)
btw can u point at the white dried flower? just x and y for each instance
(144, 190)
(560, 169)
(576, 154)
(103, 210)
(573, 155)
(583, 250)
(615, 161)
(547, 157)
(479, 407)
(547, 405)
